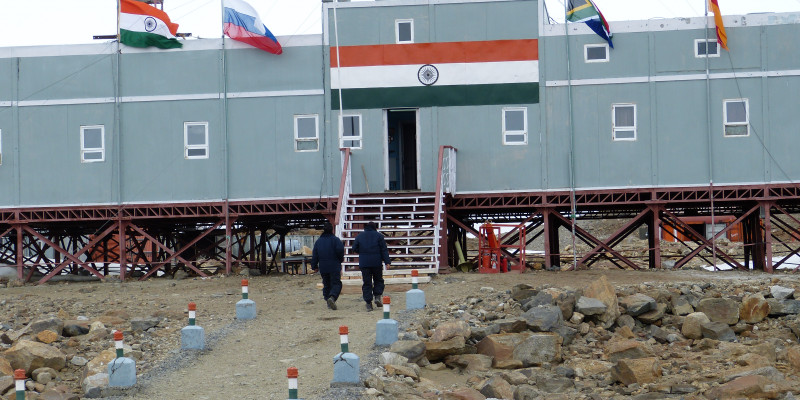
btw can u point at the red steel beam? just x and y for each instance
(176, 254)
(85, 248)
(67, 254)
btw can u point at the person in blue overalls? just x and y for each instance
(371, 249)
(327, 257)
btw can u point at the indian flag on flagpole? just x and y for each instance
(436, 74)
(141, 25)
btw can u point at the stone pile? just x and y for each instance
(720, 340)
(66, 357)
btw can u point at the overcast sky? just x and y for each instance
(48, 22)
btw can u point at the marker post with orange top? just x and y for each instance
(346, 369)
(386, 331)
(19, 381)
(245, 308)
(415, 298)
(122, 370)
(292, 374)
(193, 337)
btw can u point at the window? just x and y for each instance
(404, 30)
(350, 128)
(624, 121)
(515, 126)
(595, 53)
(706, 48)
(195, 140)
(93, 143)
(306, 133)
(736, 115)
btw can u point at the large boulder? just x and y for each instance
(29, 355)
(450, 329)
(749, 387)
(49, 324)
(5, 368)
(538, 349)
(590, 306)
(754, 309)
(654, 315)
(540, 299)
(639, 370)
(411, 349)
(630, 349)
(496, 387)
(435, 351)
(780, 292)
(501, 348)
(543, 318)
(637, 304)
(522, 292)
(720, 309)
(692, 325)
(602, 290)
(718, 331)
(681, 305)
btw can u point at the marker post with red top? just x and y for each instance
(386, 330)
(245, 308)
(415, 298)
(19, 382)
(346, 369)
(193, 337)
(292, 374)
(122, 370)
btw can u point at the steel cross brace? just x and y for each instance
(703, 243)
(85, 248)
(794, 230)
(67, 254)
(590, 239)
(175, 254)
(615, 238)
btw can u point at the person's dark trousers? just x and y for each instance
(331, 285)
(373, 283)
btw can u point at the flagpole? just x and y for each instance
(710, 142)
(118, 110)
(225, 140)
(573, 209)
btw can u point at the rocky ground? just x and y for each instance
(596, 334)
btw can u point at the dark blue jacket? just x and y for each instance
(371, 249)
(328, 254)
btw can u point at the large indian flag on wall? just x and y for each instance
(436, 74)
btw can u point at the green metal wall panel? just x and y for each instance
(66, 77)
(51, 171)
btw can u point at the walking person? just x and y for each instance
(327, 257)
(372, 251)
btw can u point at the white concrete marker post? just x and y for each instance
(193, 337)
(415, 298)
(122, 370)
(245, 308)
(386, 331)
(346, 369)
(292, 374)
(19, 381)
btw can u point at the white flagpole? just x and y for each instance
(225, 139)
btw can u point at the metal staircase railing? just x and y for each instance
(445, 183)
(345, 187)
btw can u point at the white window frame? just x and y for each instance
(101, 149)
(359, 138)
(697, 50)
(397, 23)
(523, 132)
(586, 48)
(298, 139)
(614, 128)
(726, 123)
(187, 147)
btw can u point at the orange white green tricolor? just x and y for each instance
(142, 25)
(722, 37)
(435, 74)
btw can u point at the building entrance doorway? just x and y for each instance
(401, 150)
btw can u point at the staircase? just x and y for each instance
(407, 222)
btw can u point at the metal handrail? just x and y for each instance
(345, 187)
(445, 183)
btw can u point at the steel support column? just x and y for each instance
(552, 256)
(654, 237)
(767, 206)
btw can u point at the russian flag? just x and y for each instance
(241, 22)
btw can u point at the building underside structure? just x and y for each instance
(159, 239)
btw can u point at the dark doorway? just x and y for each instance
(401, 137)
